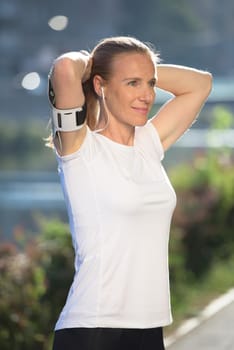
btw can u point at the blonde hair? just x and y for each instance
(103, 55)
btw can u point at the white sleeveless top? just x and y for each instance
(120, 203)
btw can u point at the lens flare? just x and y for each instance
(31, 81)
(58, 22)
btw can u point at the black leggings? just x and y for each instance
(109, 339)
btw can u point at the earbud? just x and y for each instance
(102, 91)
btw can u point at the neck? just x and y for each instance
(114, 129)
(118, 132)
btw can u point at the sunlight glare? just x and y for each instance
(31, 81)
(58, 22)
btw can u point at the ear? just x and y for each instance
(98, 83)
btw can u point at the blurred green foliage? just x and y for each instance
(36, 273)
(22, 285)
(33, 286)
(202, 239)
(23, 146)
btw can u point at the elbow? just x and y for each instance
(63, 69)
(208, 83)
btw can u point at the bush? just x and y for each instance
(33, 287)
(21, 287)
(202, 240)
(204, 213)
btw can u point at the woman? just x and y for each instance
(118, 197)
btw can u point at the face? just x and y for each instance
(130, 92)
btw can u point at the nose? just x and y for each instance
(147, 95)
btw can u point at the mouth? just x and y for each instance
(141, 110)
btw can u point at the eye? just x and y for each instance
(152, 83)
(132, 83)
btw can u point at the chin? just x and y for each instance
(141, 122)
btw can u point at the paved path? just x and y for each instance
(215, 333)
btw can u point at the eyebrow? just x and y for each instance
(136, 78)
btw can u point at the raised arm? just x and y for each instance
(67, 74)
(190, 88)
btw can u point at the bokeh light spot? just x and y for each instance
(58, 22)
(31, 81)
